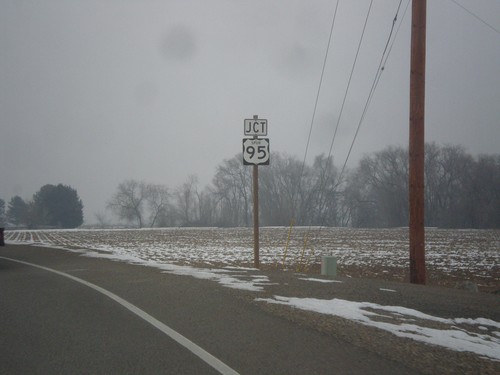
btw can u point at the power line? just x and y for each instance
(395, 35)
(392, 27)
(323, 176)
(350, 79)
(476, 16)
(376, 80)
(382, 66)
(316, 101)
(323, 172)
(319, 87)
(383, 61)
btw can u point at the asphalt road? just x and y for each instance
(51, 324)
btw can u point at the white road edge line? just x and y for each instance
(188, 344)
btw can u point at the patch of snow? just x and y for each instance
(223, 277)
(320, 280)
(241, 268)
(364, 312)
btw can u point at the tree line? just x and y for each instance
(53, 206)
(462, 191)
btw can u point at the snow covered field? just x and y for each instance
(451, 255)
(224, 253)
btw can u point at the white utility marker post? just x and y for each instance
(255, 152)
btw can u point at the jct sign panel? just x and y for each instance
(256, 151)
(255, 127)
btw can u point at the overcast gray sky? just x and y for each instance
(93, 92)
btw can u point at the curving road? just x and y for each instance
(95, 316)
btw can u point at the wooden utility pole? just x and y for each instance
(256, 262)
(417, 142)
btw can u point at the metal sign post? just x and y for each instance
(255, 152)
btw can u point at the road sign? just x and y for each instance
(256, 127)
(256, 151)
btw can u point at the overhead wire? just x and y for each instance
(385, 54)
(476, 16)
(386, 48)
(380, 70)
(320, 83)
(350, 79)
(323, 176)
(316, 101)
(383, 61)
(382, 66)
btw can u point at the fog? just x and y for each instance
(98, 91)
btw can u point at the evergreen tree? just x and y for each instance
(2, 213)
(17, 211)
(58, 206)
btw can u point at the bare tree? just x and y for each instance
(483, 207)
(448, 174)
(461, 191)
(280, 196)
(327, 184)
(102, 220)
(206, 207)
(186, 196)
(233, 192)
(157, 198)
(128, 202)
(379, 189)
